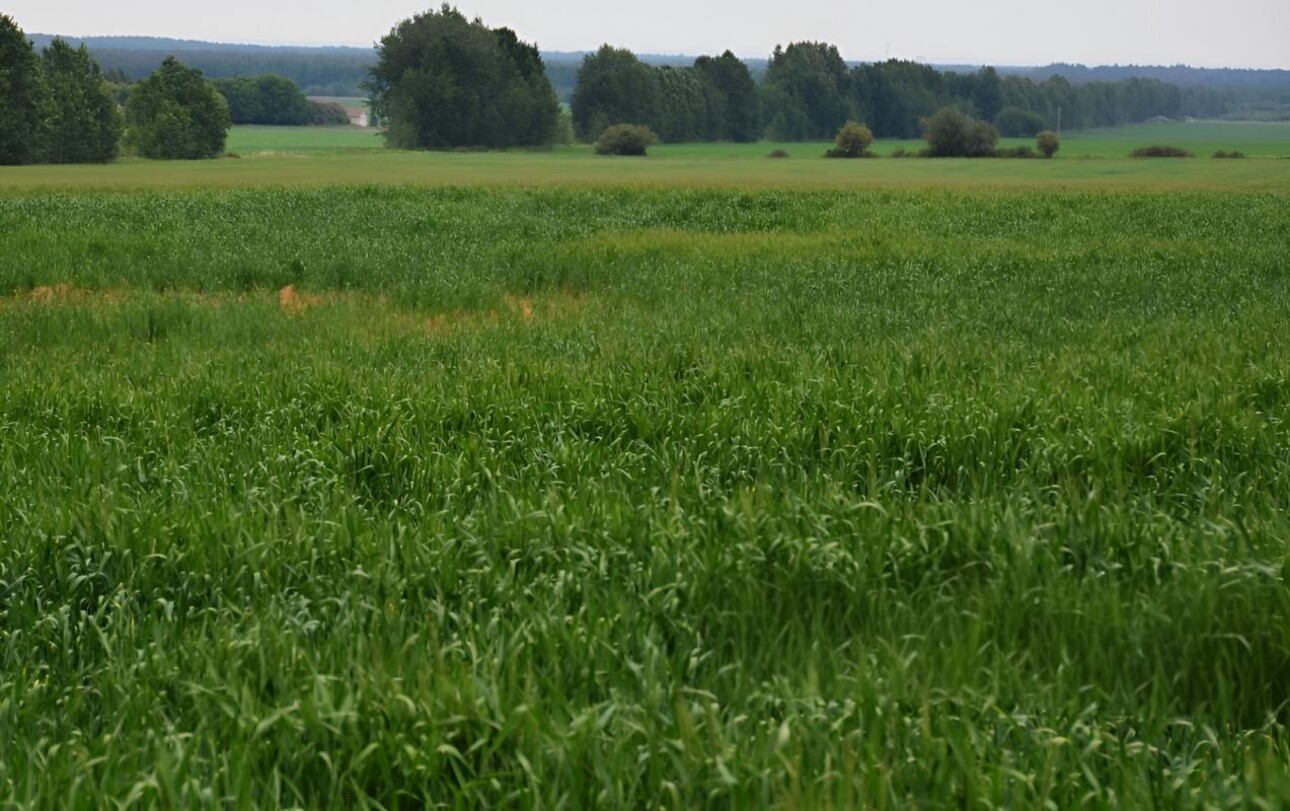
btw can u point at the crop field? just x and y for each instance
(594, 495)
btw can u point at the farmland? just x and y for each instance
(536, 479)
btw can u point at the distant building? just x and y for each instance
(358, 117)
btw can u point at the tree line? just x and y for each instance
(441, 80)
(808, 92)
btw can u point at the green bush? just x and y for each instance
(852, 141)
(1048, 143)
(625, 139)
(1160, 151)
(778, 153)
(1023, 151)
(952, 134)
(1235, 153)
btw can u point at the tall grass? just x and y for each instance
(609, 498)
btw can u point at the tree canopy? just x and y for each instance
(444, 81)
(22, 95)
(176, 113)
(82, 123)
(614, 87)
(268, 99)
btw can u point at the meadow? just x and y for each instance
(559, 493)
(329, 156)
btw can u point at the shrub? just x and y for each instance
(1048, 143)
(1023, 151)
(1232, 154)
(1160, 151)
(852, 141)
(778, 153)
(625, 139)
(951, 134)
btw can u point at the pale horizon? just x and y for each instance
(1246, 34)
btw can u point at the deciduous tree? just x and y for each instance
(22, 95)
(176, 113)
(82, 123)
(444, 81)
(613, 87)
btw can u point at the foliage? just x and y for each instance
(327, 113)
(807, 92)
(1019, 151)
(487, 497)
(23, 96)
(778, 153)
(83, 124)
(1047, 142)
(564, 129)
(176, 114)
(1224, 153)
(613, 85)
(321, 71)
(952, 134)
(268, 99)
(1160, 151)
(1014, 122)
(737, 113)
(625, 139)
(442, 81)
(715, 99)
(852, 141)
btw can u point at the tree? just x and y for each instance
(22, 96)
(1047, 143)
(269, 99)
(853, 141)
(625, 139)
(808, 92)
(613, 86)
(443, 81)
(685, 106)
(176, 113)
(737, 116)
(82, 122)
(952, 134)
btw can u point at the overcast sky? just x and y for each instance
(1231, 33)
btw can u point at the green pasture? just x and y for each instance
(316, 156)
(544, 493)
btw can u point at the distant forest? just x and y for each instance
(339, 71)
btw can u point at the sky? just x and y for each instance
(1233, 33)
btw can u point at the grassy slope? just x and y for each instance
(624, 497)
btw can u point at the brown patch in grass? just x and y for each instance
(521, 309)
(293, 301)
(384, 317)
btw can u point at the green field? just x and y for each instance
(542, 480)
(314, 156)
